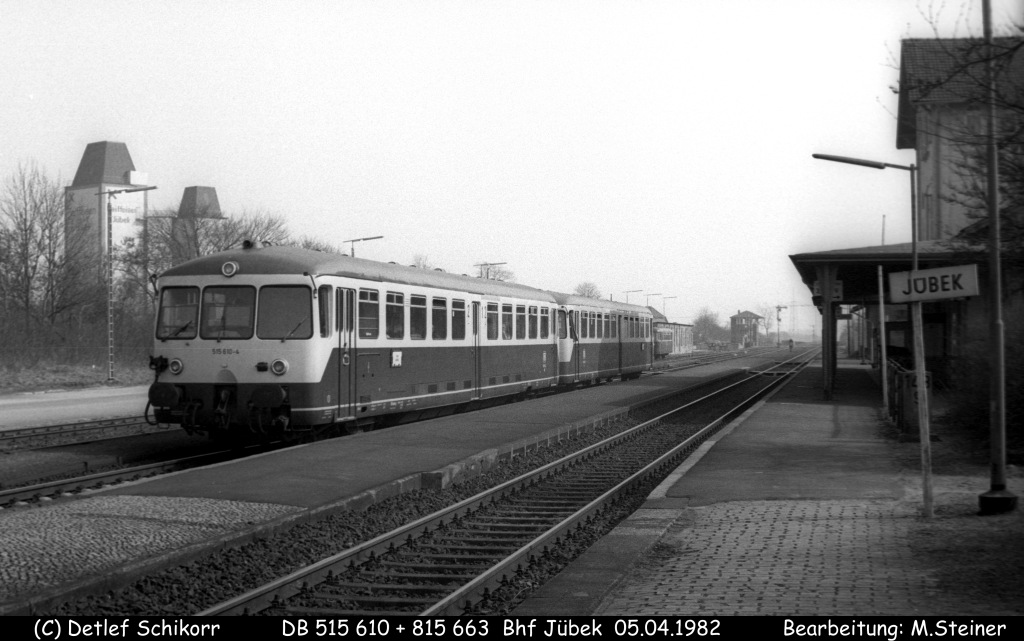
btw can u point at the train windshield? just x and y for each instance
(228, 312)
(286, 313)
(179, 312)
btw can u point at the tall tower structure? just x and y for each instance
(105, 166)
(196, 203)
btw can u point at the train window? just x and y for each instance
(369, 313)
(520, 321)
(545, 320)
(458, 320)
(324, 304)
(394, 316)
(593, 324)
(179, 313)
(614, 326)
(417, 317)
(607, 325)
(533, 321)
(285, 313)
(439, 319)
(506, 322)
(584, 325)
(228, 312)
(600, 325)
(561, 324)
(492, 321)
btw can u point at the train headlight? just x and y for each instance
(229, 268)
(176, 366)
(279, 367)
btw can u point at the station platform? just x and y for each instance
(802, 507)
(113, 536)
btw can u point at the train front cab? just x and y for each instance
(241, 355)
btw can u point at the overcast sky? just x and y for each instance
(662, 146)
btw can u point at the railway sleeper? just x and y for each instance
(499, 535)
(427, 576)
(357, 590)
(453, 557)
(334, 612)
(454, 568)
(483, 549)
(388, 600)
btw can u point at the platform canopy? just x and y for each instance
(857, 269)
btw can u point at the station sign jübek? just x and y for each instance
(934, 284)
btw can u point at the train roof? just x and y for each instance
(295, 260)
(599, 303)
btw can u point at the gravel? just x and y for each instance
(191, 588)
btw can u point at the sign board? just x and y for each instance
(837, 289)
(934, 284)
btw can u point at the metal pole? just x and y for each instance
(920, 373)
(998, 499)
(881, 341)
(110, 290)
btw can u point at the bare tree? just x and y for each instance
(706, 327)
(319, 245)
(587, 289)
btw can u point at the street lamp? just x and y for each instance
(920, 376)
(631, 291)
(663, 306)
(110, 194)
(649, 298)
(486, 269)
(353, 241)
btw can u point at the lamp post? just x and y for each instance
(352, 243)
(663, 305)
(631, 291)
(998, 499)
(649, 298)
(920, 375)
(110, 194)
(486, 269)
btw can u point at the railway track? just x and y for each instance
(65, 433)
(112, 428)
(460, 559)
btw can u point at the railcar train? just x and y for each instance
(283, 341)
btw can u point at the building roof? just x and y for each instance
(199, 202)
(952, 71)
(740, 314)
(857, 268)
(104, 162)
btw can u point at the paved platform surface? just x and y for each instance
(802, 507)
(115, 535)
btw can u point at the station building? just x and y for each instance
(942, 116)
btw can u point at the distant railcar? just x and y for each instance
(282, 340)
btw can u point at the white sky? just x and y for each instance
(655, 145)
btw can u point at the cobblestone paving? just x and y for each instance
(794, 558)
(87, 537)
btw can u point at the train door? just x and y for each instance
(347, 353)
(476, 349)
